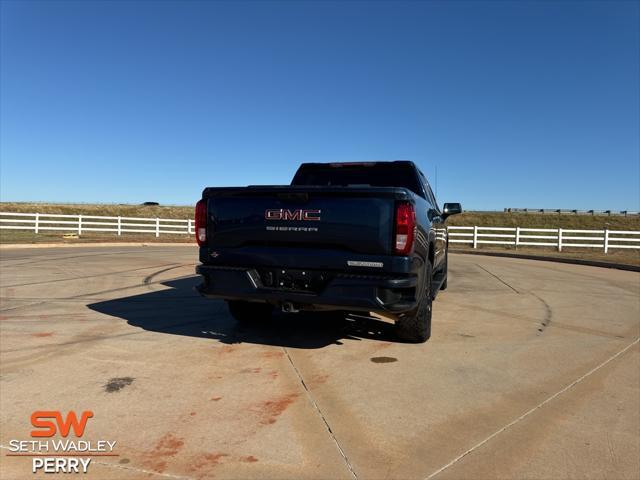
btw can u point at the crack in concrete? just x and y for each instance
(497, 278)
(548, 312)
(324, 419)
(100, 292)
(532, 410)
(86, 277)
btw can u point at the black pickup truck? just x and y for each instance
(343, 236)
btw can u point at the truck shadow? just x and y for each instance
(179, 310)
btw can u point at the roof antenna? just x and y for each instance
(436, 181)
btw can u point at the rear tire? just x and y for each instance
(248, 312)
(415, 326)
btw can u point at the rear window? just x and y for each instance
(373, 175)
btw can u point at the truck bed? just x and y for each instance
(354, 219)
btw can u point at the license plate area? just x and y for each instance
(307, 281)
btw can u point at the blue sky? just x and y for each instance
(519, 104)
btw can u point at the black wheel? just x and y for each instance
(445, 270)
(246, 312)
(415, 326)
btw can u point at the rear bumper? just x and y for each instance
(343, 291)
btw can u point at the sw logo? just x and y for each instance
(39, 419)
(47, 424)
(60, 455)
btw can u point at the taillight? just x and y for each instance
(201, 222)
(405, 226)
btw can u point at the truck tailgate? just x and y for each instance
(354, 219)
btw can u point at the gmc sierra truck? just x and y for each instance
(366, 237)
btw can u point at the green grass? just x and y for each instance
(538, 220)
(623, 256)
(23, 236)
(104, 210)
(494, 219)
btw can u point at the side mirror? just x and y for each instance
(451, 209)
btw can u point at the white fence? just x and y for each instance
(79, 224)
(515, 236)
(545, 237)
(560, 211)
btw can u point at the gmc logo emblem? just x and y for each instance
(299, 214)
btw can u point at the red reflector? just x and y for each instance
(201, 222)
(405, 228)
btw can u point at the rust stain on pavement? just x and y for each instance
(166, 447)
(270, 410)
(42, 334)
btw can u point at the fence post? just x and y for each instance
(559, 239)
(157, 227)
(79, 225)
(189, 227)
(475, 236)
(517, 236)
(119, 225)
(606, 240)
(37, 222)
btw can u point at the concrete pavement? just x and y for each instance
(533, 371)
